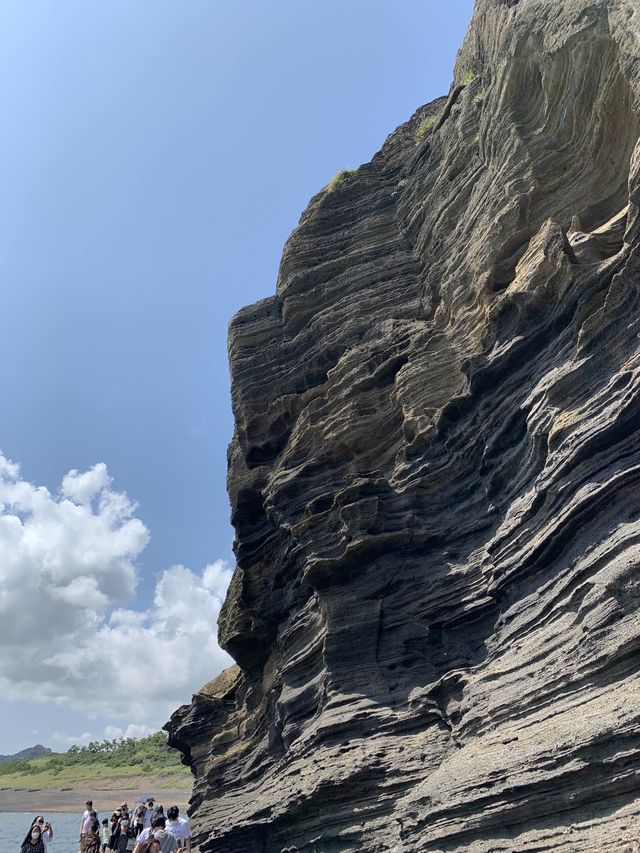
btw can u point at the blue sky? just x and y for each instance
(155, 157)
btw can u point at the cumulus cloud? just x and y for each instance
(82, 488)
(60, 739)
(67, 628)
(134, 730)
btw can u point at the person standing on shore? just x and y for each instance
(105, 834)
(85, 820)
(165, 839)
(88, 823)
(123, 839)
(45, 828)
(179, 828)
(113, 831)
(119, 831)
(33, 842)
(139, 816)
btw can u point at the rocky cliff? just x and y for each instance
(435, 477)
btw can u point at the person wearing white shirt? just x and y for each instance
(166, 839)
(179, 828)
(85, 820)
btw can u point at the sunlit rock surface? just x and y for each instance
(435, 478)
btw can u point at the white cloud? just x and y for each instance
(63, 740)
(83, 488)
(110, 732)
(132, 730)
(67, 629)
(84, 592)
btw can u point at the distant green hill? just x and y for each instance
(124, 757)
(36, 751)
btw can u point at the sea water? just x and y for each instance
(14, 827)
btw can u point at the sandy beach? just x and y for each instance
(105, 799)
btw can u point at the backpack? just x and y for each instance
(151, 845)
(90, 843)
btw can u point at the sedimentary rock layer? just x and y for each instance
(435, 477)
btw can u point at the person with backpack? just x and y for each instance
(149, 845)
(157, 835)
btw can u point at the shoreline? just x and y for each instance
(71, 799)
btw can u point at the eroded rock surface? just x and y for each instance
(435, 478)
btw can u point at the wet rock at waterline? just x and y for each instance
(435, 477)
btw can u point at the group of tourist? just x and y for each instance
(153, 831)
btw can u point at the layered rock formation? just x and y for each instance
(435, 478)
